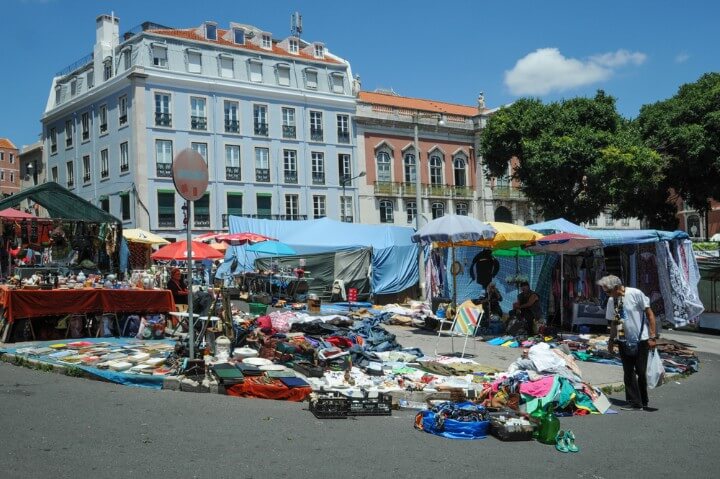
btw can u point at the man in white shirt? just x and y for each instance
(629, 308)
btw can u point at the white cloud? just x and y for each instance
(546, 70)
(682, 57)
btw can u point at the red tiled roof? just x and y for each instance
(416, 104)
(5, 143)
(191, 34)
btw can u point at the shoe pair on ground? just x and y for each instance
(635, 407)
(565, 442)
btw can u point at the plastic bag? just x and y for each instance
(655, 369)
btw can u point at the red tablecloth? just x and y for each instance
(22, 303)
(261, 388)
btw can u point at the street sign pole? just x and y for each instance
(191, 316)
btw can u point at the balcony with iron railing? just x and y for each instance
(163, 119)
(262, 175)
(124, 167)
(86, 178)
(318, 178)
(316, 134)
(343, 136)
(123, 119)
(68, 142)
(291, 177)
(201, 221)
(86, 135)
(408, 189)
(346, 219)
(261, 129)
(232, 173)
(70, 183)
(289, 132)
(104, 173)
(436, 190)
(502, 192)
(232, 126)
(166, 221)
(462, 191)
(164, 170)
(386, 188)
(198, 122)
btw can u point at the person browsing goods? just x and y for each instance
(633, 331)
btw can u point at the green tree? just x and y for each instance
(577, 157)
(685, 131)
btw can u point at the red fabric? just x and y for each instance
(263, 388)
(339, 342)
(20, 303)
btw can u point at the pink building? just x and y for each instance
(9, 168)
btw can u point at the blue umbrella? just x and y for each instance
(454, 229)
(272, 248)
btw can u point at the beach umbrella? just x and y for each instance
(564, 243)
(205, 237)
(242, 238)
(136, 235)
(13, 214)
(178, 251)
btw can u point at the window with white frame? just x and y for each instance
(260, 120)
(124, 157)
(316, 126)
(198, 113)
(53, 140)
(459, 171)
(166, 209)
(255, 67)
(338, 83)
(319, 51)
(293, 46)
(69, 171)
(504, 181)
(411, 211)
(239, 36)
(201, 148)
(194, 61)
(311, 78)
(232, 122)
(436, 173)
(163, 158)
(107, 69)
(126, 58)
(69, 133)
(122, 110)
(319, 206)
(384, 172)
(266, 41)
(12, 158)
(292, 208)
(461, 209)
(262, 165)
(232, 162)
(290, 166)
(125, 206)
(211, 31)
(227, 69)
(438, 210)
(103, 119)
(85, 125)
(54, 174)
(283, 74)
(317, 166)
(409, 168)
(386, 211)
(344, 168)
(343, 128)
(163, 117)
(289, 129)
(160, 58)
(346, 209)
(104, 163)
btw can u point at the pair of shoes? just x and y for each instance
(570, 442)
(631, 407)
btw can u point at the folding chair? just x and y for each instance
(465, 323)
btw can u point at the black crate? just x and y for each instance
(367, 406)
(330, 406)
(509, 433)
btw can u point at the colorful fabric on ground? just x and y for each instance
(538, 388)
(265, 388)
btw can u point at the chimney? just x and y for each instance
(107, 37)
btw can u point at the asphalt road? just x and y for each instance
(58, 426)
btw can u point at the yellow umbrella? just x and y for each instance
(136, 235)
(508, 236)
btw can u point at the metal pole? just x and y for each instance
(418, 208)
(191, 317)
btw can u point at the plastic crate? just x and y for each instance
(258, 309)
(330, 406)
(505, 432)
(367, 406)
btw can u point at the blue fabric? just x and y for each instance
(136, 380)
(625, 237)
(124, 255)
(394, 260)
(560, 225)
(435, 423)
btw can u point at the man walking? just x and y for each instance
(632, 329)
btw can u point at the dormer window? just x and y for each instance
(73, 87)
(211, 31)
(266, 41)
(239, 36)
(107, 69)
(293, 46)
(160, 58)
(319, 51)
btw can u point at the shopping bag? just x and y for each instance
(655, 369)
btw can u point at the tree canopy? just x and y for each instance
(577, 157)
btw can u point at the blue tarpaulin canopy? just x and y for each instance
(394, 259)
(560, 225)
(608, 237)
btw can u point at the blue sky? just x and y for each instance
(638, 51)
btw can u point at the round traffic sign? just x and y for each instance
(190, 174)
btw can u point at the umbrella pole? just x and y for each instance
(454, 275)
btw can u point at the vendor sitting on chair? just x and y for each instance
(202, 300)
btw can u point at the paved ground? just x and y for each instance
(58, 426)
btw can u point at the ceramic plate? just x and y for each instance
(257, 361)
(271, 367)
